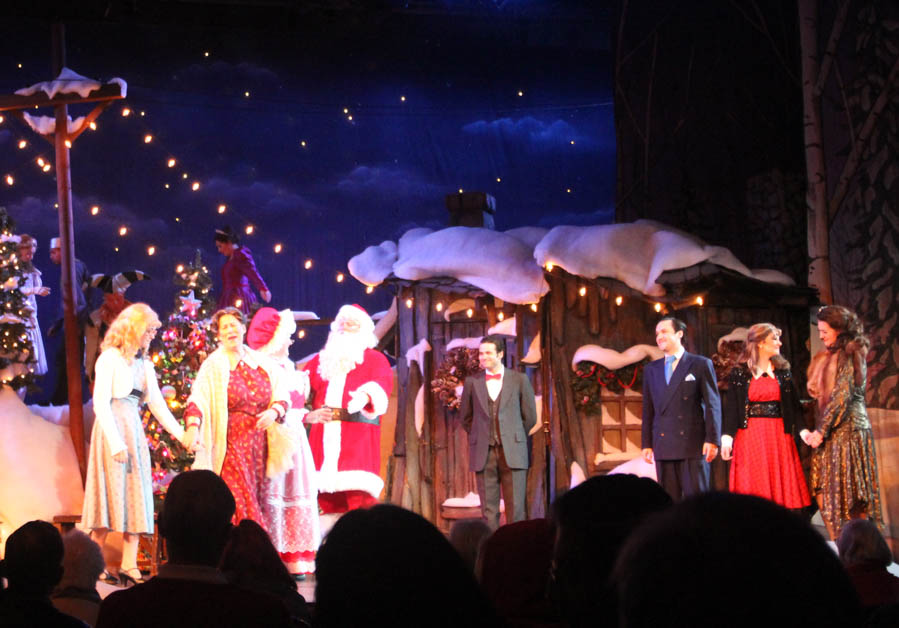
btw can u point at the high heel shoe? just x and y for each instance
(108, 578)
(129, 580)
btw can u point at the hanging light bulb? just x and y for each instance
(278, 248)
(340, 277)
(409, 302)
(171, 162)
(582, 291)
(148, 138)
(151, 250)
(123, 230)
(619, 300)
(249, 229)
(657, 307)
(308, 264)
(501, 316)
(369, 289)
(439, 307)
(95, 210)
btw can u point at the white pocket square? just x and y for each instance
(689, 378)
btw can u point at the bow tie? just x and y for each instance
(497, 376)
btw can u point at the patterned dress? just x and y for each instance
(243, 470)
(844, 466)
(119, 496)
(766, 462)
(290, 503)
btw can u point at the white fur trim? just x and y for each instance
(378, 398)
(330, 450)
(334, 393)
(350, 481)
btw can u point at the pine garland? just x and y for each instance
(591, 378)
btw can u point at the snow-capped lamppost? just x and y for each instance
(68, 88)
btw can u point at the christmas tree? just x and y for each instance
(16, 350)
(177, 353)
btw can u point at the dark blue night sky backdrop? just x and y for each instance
(355, 183)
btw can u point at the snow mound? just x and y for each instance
(636, 254)
(498, 263)
(373, 264)
(69, 82)
(38, 466)
(45, 125)
(530, 236)
(614, 360)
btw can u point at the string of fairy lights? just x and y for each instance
(181, 176)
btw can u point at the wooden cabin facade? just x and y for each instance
(429, 467)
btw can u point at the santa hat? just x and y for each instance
(357, 314)
(270, 328)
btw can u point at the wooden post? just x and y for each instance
(74, 357)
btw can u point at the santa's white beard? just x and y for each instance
(342, 353)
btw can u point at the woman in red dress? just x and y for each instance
(238, 273)
(761, 410)
(235, 400)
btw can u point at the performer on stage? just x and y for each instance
(843, 476)
(234, 401)
(238, 272)
(760, 408)
(31, 288)
(289, 499)
(118, 492)
(351, 384)
(81, 299)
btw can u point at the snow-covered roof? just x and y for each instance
(496, 262)
(636, 254)
(509, 265)
(70, 82)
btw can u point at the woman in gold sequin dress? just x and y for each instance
(844, 466)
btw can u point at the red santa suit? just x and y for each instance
(347, 454)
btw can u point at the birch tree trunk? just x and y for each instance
(816, 193)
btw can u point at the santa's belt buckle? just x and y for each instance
(341, 414)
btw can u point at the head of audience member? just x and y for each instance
(514, 567)
(728, 559)
(592, 522)
(33, 562)
(467, 536)
(861, 543)
(82, 561)
(250, 558)
(387, 566)
(195, 519)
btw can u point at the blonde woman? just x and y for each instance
(118, 494)
(33, 287)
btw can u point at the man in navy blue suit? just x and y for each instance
(681, 414)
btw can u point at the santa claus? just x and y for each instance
(350, 385)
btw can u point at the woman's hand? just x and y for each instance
(191, 439)
(266, 418)
(121, 456)
(43, 291)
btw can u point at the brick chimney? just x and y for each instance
(471, 209)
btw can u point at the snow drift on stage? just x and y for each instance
(509, 264)
(38, 467)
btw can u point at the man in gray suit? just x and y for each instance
(498, 410)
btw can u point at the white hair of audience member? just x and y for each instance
(82, 561)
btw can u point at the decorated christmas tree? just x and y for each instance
(16, 350)
(177, 354)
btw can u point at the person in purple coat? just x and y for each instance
(238, 272)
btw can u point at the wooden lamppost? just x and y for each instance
(62, 138)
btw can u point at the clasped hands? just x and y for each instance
(812, 439)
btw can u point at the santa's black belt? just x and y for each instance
(763, 409)
(341, 414)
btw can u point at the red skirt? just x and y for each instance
(766, 464)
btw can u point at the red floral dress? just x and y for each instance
(766, 462)
(243, 470)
